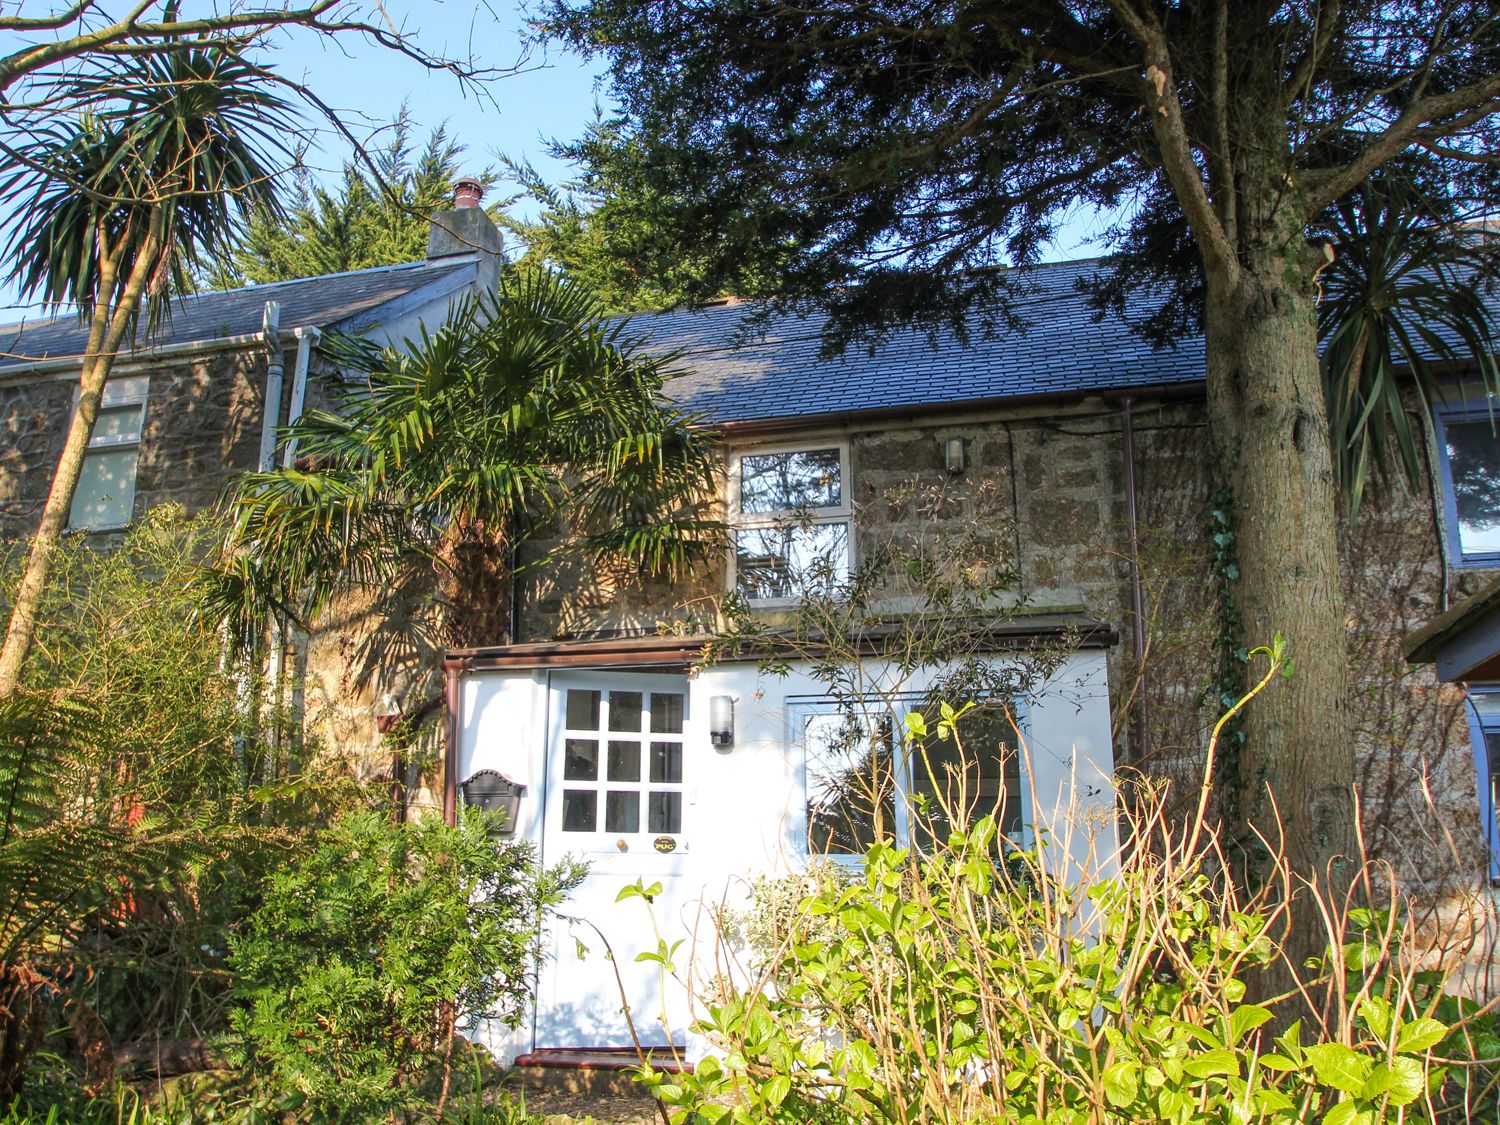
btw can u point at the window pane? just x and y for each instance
(624, 761)
(666, 712)
(787, 562)
(666, 761)
(1474, 462)
(625, 710)
(622, 812)
(117, 424)
(664, 812)
(106, 489)
(976, 774)
(1486, 705)
(580, 810)
(581, 760)
(851, 784)
(583, 710)
(790, 482)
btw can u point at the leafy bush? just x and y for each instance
(370, 952)
(945, 985)
(134, 792)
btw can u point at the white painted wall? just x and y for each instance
(744, 806)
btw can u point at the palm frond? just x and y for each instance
(521, 410)
(1403, 306)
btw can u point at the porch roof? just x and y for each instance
(1464, 643)
(1004, 634)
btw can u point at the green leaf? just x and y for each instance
(1245, 1019)
(1279, 1063)
(1402, 1080)
(774, 1090)
(1122, 1083)
(1348, 1113)
(1339, 1066)
(1420, 1035)
(1222, 1061)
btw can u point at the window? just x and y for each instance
(622, 761)
(863, 783)
(106, 487)
(790, 512)
(1484, 725)
(1469, 444)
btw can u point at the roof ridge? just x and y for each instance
(184, 299)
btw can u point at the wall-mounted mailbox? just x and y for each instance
(495, 793)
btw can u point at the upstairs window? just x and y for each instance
(106, 487)
(790, 513)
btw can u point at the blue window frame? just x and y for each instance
(1468, 440)
(1484, 729)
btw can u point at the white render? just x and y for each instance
(743, 815)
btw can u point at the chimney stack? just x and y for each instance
(466, 229)
(467, 193)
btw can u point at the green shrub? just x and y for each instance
(142, 808)
(368, 954)
(950, 994)
(1056, 985)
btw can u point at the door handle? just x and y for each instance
(622, 845)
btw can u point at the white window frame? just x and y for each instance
(129, 390)
(897, 706)
(600, 839)
(841, 513)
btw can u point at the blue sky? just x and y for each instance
(552, 95)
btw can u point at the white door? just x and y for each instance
(619, 756)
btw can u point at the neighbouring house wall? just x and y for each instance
(202, 425)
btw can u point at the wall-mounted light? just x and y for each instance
(953, 455)
(388, 713)
(495, 793)
(721, 721)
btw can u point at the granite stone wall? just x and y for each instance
(202, 424)
(1045, 490)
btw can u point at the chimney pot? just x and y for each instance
(467, 193)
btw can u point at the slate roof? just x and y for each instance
(781, 376)
(1061, 350)
(317, 301)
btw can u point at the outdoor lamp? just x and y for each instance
(495, 793)
(953, 455)
(721, 721)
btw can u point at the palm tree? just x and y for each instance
(526, 409)
(1403, 296)
(115, 205)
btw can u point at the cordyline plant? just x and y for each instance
(981, 980)
(1404, 304)
(168, 153)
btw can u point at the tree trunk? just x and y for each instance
(106, 333)
(1270, 425)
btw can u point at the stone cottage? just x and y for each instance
(1066, 464)
(1072, 453)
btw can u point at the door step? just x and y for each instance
(594, 1070)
